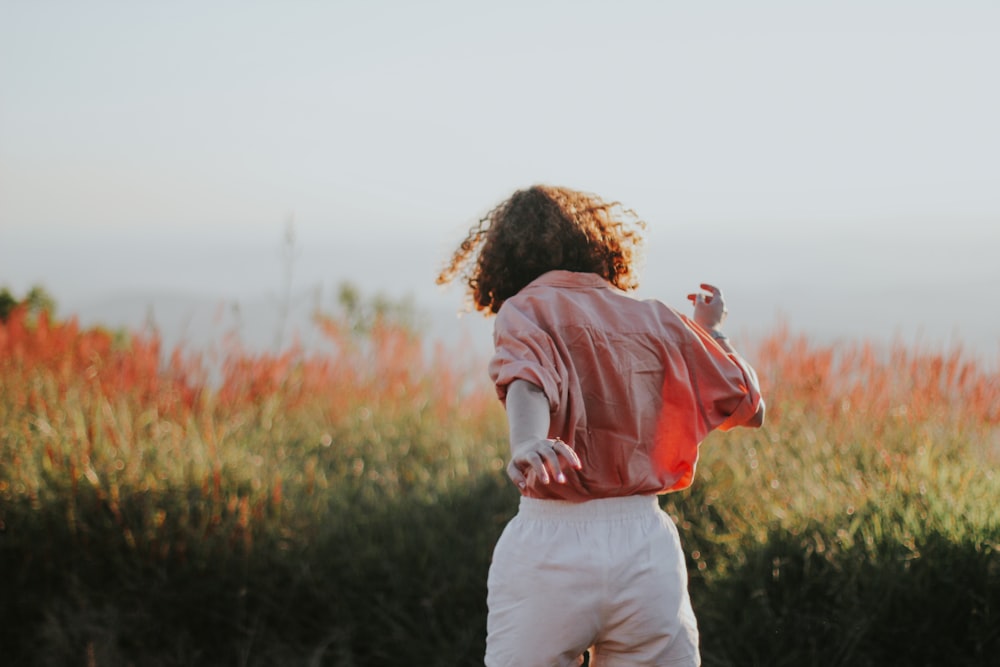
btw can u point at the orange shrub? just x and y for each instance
(859, 379)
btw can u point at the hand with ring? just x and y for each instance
(545, 458)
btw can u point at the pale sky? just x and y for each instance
(802, 154)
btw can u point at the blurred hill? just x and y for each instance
(204, 322)
(933, 316)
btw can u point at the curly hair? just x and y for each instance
(540, 229)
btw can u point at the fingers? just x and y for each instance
(546, 463)
(516, 475)
(567, 453)
(543, 458)
(715, 292)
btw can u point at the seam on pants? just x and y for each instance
(589, 511)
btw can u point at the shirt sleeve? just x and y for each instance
(725, 385)
(523, 351)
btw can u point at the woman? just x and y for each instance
(607, 400)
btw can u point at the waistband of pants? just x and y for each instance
(599, 509)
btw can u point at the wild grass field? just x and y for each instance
(339, 507)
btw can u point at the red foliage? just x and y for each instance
(862, 379)
(389, 367)
(69, 356)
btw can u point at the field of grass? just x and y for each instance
(339, 507)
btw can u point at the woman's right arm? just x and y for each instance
(530, 446)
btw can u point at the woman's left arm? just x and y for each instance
(709, 313)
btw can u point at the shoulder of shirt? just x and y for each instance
(534, 298)
(550, 285)
(540, 292)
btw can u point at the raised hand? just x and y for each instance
(709, 309)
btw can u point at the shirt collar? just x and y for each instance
(561, 278)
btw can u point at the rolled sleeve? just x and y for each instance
(522, 351)
(747, 399)
(726, 387)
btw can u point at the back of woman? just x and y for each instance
(607, 400)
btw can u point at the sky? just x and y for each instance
(833, 166)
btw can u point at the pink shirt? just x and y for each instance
(633, 386)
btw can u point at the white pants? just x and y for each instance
(606, 573)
